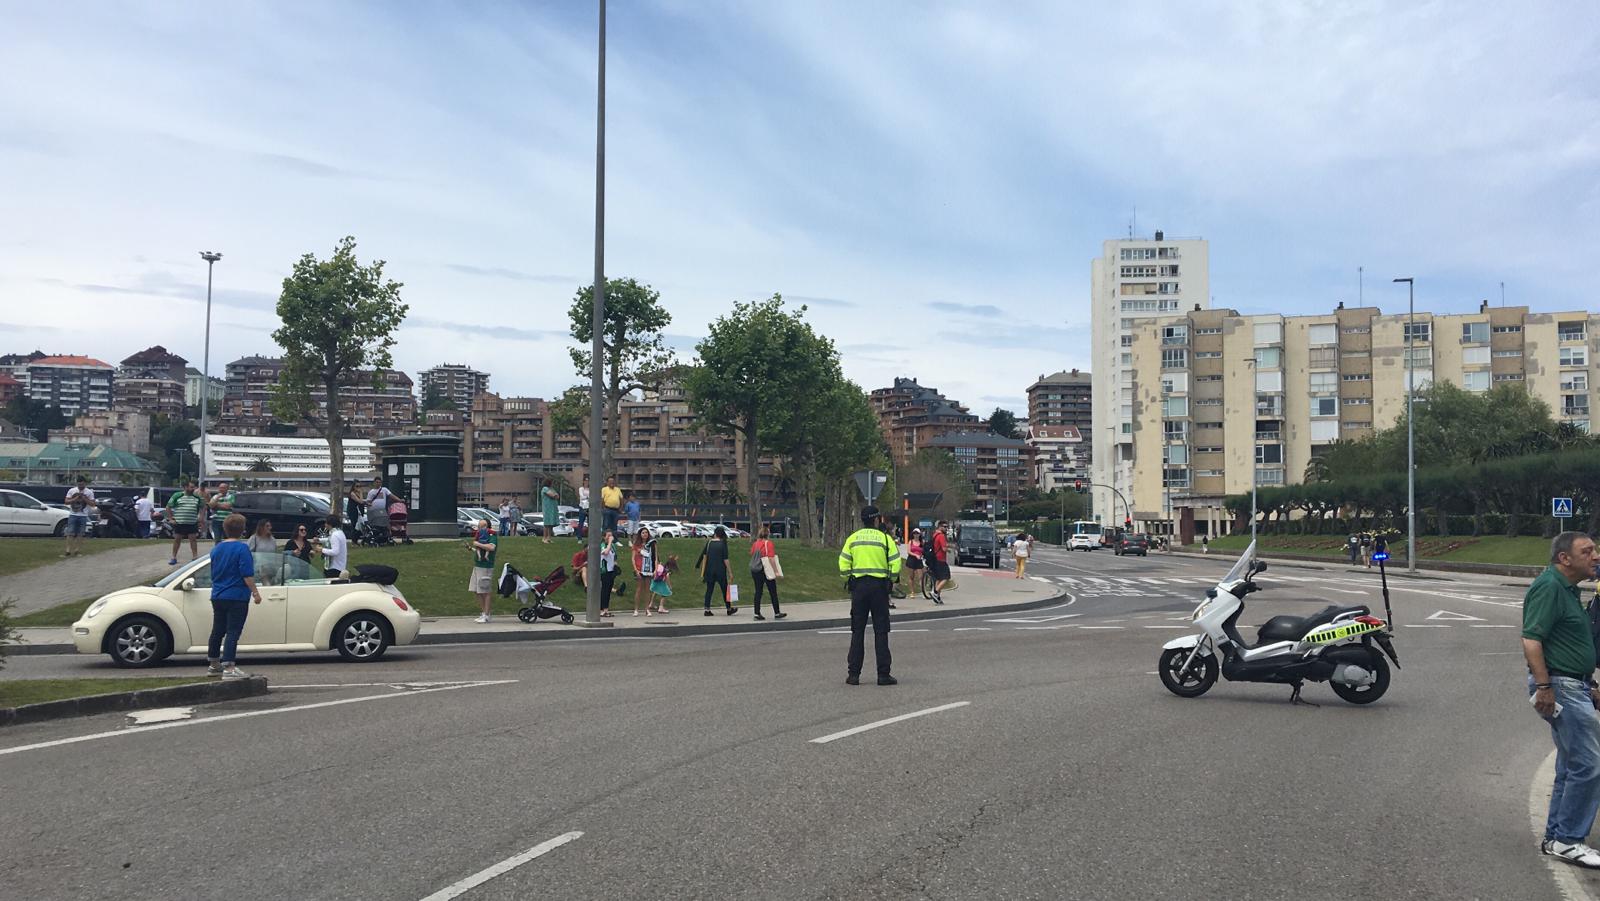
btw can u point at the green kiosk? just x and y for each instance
(422, 469)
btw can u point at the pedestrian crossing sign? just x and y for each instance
(1561, 507)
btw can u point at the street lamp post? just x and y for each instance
(211, 257)
(1411, 428)
(1251, 363)
(591, 616)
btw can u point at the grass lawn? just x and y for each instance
(433, 574)
(19, 554)
(59, 615)
(1522, 550)
(16, 692)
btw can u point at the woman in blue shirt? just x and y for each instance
(233, 587)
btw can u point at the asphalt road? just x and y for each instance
(691, 766)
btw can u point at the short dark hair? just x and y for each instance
(1562, 544)
(720, 532)
(83, 480)
(333, 520)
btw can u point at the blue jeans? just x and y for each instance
(216, 531)
(77, 524)
(227, 621)
(1576, 793)
(608, 519)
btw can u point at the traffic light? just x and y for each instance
(1127, 523)
(1077, 485)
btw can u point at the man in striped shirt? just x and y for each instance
(183, 510)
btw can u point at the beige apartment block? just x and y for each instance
(1222, 400)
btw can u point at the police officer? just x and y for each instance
(870, 560)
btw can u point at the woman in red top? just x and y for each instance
(761, 549)
(914, 562)
(938, 563)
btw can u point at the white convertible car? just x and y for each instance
(299, 611)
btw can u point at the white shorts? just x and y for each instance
(482, 580)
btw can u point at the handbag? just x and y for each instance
(771, 568)
(756, 567)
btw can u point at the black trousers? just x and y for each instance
(770, 585)
(608, 578)
(715, 579)
(869, 597)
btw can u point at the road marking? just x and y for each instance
(1101, 627)
(1492, 626)
(95, 736)
(1155, 581)
(856, 730)
(1342, 590)
(972, 629)
(1448, 615)
(1567, 882)
(159, 715)
(1426, 625)
(1184, 628)
(1100, 581)
(397, 686)
(833, 631)
(501, 868)
(1040, 628)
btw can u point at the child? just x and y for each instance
(661, 585)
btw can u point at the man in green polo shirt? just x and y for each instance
(1561, 659)
(221, 504)
(183, 509)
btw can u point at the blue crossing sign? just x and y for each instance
(1561, 507)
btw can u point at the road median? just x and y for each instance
(186, 693)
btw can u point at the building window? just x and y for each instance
(1208, 425)
(1324, 382)
(1507, 353)
(1269, 477)
(1174, 334)
(1475, 356)
(1167, 288)
(1508, 376)
(1574, 356)
(1356, 330)
(1416, 333)
(1569, 331)
(1167, 253)
(1475, 381)
(1269, 382)
(1324, 406)
(1127, 359)
(1138, 253)
(1208, 473)
(1208, 355)
(1127, 340)
(1323, 357)
(1175, 407)
(1214, 330)
(1268, 358)
(1174, 358)
(1208, 378)
(1176, 478)
(1174, 383)
(1356, 377)
(1269, 333)
(1208, 450)
(1474, 333)
(1208, 402)
(1175, 430)
(1323, 334)
(1358, 401)
(1507, 330)
(1574, 381)
(1176, 454)
(1574, 405)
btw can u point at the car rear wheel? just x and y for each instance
(362, 637)
(138, 642)
(60, 529)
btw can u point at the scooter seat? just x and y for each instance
(1293, 628)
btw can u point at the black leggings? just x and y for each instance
(714, 579)
(770, 585)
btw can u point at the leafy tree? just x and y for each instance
(260, 464)
(756, 369)
(1003, 423)
(338, 319)
(434, 399)
(935, 473)
(35, 415)
(635, 353)
(570, 413)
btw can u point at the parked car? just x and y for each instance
(668, 528)
(284, 509)
(533, 524)
(299, 611)
(24, 514)
(1132, 543)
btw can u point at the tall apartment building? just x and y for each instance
(999, 468)
(1060, 456)
(10, 388)
(911, 415)
(152, 381)
(455, 382)
(389, 409)
(1223, 399)
(120, 428)
(1134, 281)
(194, 382)
(1064, 398)
(74, 384)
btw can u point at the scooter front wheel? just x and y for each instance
(1196, 681)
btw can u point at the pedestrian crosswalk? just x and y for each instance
(1103, 582)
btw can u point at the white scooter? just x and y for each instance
(1334, 645)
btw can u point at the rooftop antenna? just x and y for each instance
(1502, 294)
(1361, 286)
(1133, 222)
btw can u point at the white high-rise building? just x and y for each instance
(1134, 279)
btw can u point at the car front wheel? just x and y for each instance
(362, 637)
(138, 642)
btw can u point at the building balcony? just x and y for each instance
(1273, 435)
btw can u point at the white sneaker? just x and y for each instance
(1576, 853)
(482, 618)
(233, 672)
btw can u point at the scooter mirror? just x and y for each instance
(1261, 567)
(1211, 593)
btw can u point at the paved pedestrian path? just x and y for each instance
(79, 578)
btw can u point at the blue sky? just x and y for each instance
(932, 179)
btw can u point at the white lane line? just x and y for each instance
(394, 685)
(1100, 581)
(1183, 628)
(1101, 627)
(1491, 626)
(1567, 882)
(972, 629)
(145, 730)
(912, 630)
(1155, 581)
(833, 631)
(501, 868)
(1426, 625)
(888, 722)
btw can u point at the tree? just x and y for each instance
(35, 416)
(170, 441)
(756, 369)
(1003, 423)
(635, 355)
(338, 319)
(260, 464)
(434, 399)
(936, 473)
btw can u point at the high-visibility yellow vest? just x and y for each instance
(870, 553)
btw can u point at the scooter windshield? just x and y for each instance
(1242, 567)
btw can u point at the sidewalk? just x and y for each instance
(979, 591)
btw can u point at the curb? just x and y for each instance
(193, 693)
(1510, 570)
(579, 632)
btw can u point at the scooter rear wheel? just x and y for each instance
(1201, 675)
(1366, 694)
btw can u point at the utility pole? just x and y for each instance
(591, 615)
(211, 257)
(1411, 428)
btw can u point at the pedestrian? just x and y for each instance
(233, 587)
(336, 557)
(765, 571)
(221, 506)
(1380, 545)
(144, 510)
(378, 507)
(610, 503)
(1366, 549)
(550, 501)
(939, 560)
(661, 583)
(713, 566)
(608, 570)
(262, 542)
(914, 562)
(516, 517)
(481, 583)
(1020, 548)
(354, 503)
(301, 545)
(1205, 544)
(631, 512)
(644, 567)
(183, 508)
(80, 503)
(1560, 652)
(580, 567)
(583, 507)
(869, 561)
(505, 516)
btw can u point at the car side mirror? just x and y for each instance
(186, 585)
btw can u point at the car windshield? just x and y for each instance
(1242, 566)
(978, 533)
(317, 504)
(173, 576)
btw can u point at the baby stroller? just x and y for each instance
(372, 530)
(397, 522)
(512, 582)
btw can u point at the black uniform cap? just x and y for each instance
(869, 514)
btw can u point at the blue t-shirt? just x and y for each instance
(631, 509)
(231, 564)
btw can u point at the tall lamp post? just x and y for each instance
(591, 615)
(211, 257)
(1411, 428)
(1251, 363)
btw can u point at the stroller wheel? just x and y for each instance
(525, 614)
(566, 618)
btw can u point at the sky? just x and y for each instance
(930, 179)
